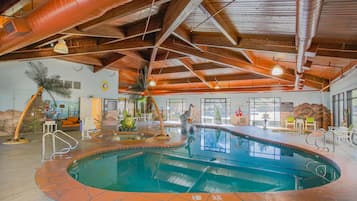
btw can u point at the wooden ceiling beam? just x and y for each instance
(227, 90)
(168, 56)
(6, 5)
(228, 53)
(187, 63)
(131, 44)
(226, 61)
(84, 59)
(249, 56)
(137, 29)
(109, 60)
(220, 23)
(120, 12)
(176, 13)
(218, 78)
(152, 60)
(345, 69)
(234, 63)
(195, 67)
(223, 84)
(207, 66)
(283, 44)
(175, 69)
(104, 31)
(264, 43)
(50, 40)
(337, 53)
(184, 34)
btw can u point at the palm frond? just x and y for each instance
(39, 74)
(141, 84)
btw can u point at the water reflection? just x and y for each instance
(260, 150)
(216, 141)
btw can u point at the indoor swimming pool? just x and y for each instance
(212, 160)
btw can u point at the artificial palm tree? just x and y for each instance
(51, 84)
(142, 88)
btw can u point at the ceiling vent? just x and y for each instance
(16, 26)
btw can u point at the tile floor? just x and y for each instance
(19, 163)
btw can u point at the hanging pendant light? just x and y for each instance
(61, 47)
(277, 70)
(216, 86)
(152, 83)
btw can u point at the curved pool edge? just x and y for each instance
(307, 149)
(53, 179)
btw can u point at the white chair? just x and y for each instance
(88, 127)
(342, 134)
(49, 127)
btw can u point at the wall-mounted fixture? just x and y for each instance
(61, 47)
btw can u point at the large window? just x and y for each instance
(338, 109)
(175, 107)
(268, 107)
(352, 107)
(215, 110)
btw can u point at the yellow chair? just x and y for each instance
(310, 121)
(290, 121)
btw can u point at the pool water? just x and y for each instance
(211, 161)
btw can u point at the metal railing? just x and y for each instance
(316, 135)
(55, 136)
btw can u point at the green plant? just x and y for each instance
(128, 123)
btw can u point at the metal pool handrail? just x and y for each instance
(54, 151)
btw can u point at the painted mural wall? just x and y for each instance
(16, 88)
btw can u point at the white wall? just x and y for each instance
(241, 99)
(16, 88)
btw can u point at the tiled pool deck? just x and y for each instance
(53, 180)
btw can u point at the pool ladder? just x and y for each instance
(316, 138)
(56, 137)
(320, 170)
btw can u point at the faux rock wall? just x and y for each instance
(8, 121)
(320, 113)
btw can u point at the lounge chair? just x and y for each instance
(310, 121)
(290, 121)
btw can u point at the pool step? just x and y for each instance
(195, 169)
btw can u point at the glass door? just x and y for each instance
(352, 108)
(215, 110)
(175, 108)
(261, 108)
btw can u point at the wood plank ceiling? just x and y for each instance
(195, 46)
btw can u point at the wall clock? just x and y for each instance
(104, 85)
